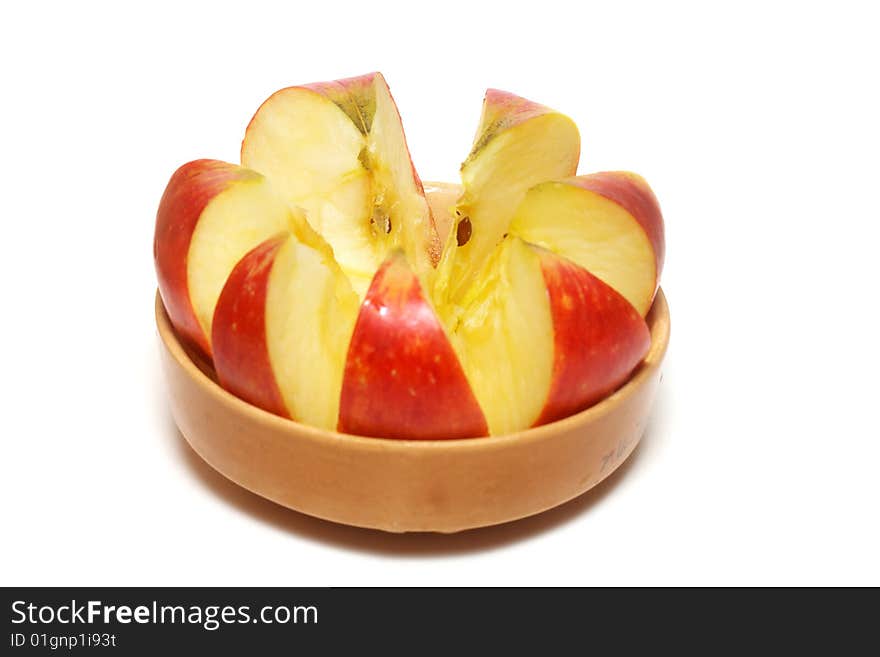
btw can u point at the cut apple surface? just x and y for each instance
(608, 223)
(281, 330)
(518, 144)
(337, 149)
(402, 378)
(210, 215)
(504, 338)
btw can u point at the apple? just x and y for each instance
(518, 144)
(281, 330)
(313, 274)
(609, 223)
(402, 378)
(210, 215)
(337, 149)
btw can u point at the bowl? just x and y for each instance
(408, 485)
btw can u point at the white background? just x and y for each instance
(756, 125)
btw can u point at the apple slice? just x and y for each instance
(337, 149)
(504, 338)
(402, 378)
(608, 223)
(599, 338)
(518, 144)
(281, 330)
(210, 215)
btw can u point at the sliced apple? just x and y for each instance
(337, 149)
(402, 378)
(281, 330)
(598, 338)
(608, 223)
(210, 215)
(518, 144)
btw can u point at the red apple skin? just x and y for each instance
(402, 378)
(509, 108)
(632, 193)
(189, 191)
(340, 91)
(599, 338)
(238, 333)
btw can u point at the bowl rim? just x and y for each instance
(658, 323)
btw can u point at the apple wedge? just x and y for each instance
(542, 338)
(210, 215)
(608, 223)
(598, 338)
(281, 330)
(518, 144)
(337, 149)
(402, 378)
(504, 338)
